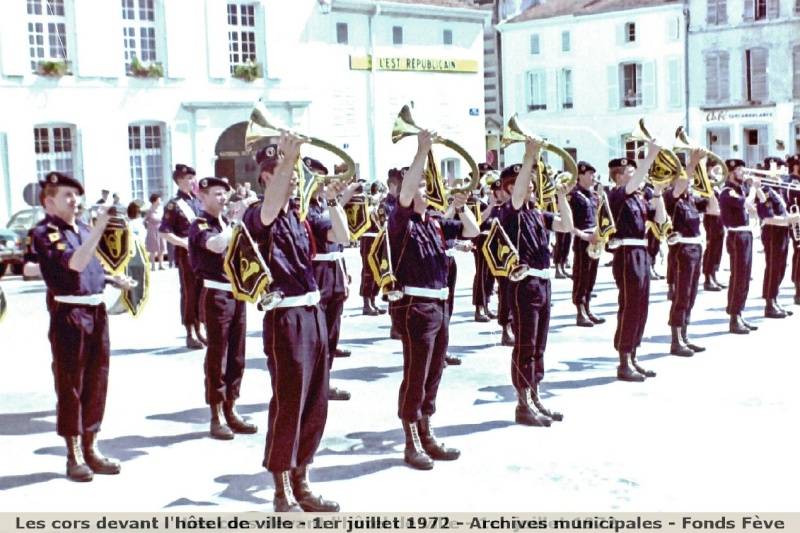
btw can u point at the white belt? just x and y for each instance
(438, 294)
(748, 229)
(632, 242)
(332, 256)
(307, 299)
(93, 299)
(450, 252)
(211, 284)
(536, 273)
(369, 234)
(690, 240)
(589, 230)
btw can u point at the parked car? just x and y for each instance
(12, 239)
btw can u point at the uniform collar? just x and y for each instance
(185, 196)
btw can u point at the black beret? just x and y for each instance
(584, 167)
(57, 178)
(772, 159)
(621, 162)
(793, 160)
(734, 163)
(483, 168)
(510, 172)
(183, 170)
(395, 174)
(315, 166)
(207, 183)
(266, 155)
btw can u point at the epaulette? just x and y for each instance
(52, 226)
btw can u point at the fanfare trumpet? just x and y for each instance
(666, 167)
(701, 181)
(514, 132)
(771, 178)
(603, 230)
(795, 228)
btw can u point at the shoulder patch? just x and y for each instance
(61, 246)
(54, 237)
(171, 205)
(202, 226)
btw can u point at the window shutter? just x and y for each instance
(543, 89)
(749, 10)
(712, 78)
(99, 45)
(217, 38)
(722, 11)
(711, 12)
(613, 86)
(673, 29)
(181, 20)
(528, 89)
(674, 74)
(649, 84)
(796, 72)
(758, 74)
(724, 77)
(77, 154)
(14, 50)
(613, 147)
(773, 9)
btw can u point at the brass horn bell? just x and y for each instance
(682, 142)
(514, 132)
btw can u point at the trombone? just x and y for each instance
(666, 167)
(262, 126)
(682, 142)
(514, 132)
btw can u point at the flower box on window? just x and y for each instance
(54, 69)
(248, 71)
(145, 70)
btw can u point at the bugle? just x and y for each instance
(771, 178)
(514, 132)
(667, 167)
(682, 142)
(392, 291)
(604, 228)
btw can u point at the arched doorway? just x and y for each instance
(233, 162)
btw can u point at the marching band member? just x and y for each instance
(631, 267)
(179, 214)
(79, 335)
(736, 203)
(775, 238)
(419, 262)
(712, 256)
(793, 199)
(295, 334)
(483, 281)
(225, 316)
(388, 205)
(529, 298)
(329, 268)
(584, 203)
(684, 209)
(369, 289)
(501, 195)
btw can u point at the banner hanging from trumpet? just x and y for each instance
(701, 183)
(499, 251)
(660, 231)
(378, 259)
(244, 267)
(138, 268)
(114, 248)
(306, 186)
(435, 192)
(358, 220)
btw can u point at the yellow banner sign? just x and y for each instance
(417, 64)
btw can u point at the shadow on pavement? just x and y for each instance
(190, 503)
(242, 487)
(15, 482)
(129, 447)
(202, 415)
(366, 373)
(26, 423)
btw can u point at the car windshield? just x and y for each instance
(23, 220)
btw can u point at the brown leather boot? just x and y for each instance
(284, 501)
(99, 463)
(308, 501)
(219, 430)
(508, 337)
(625, 372)
(555, 415)
(435, 449)
(685, 336)
(526, 413)
(582, 320)
(678, 347)
(235, 421)
(77, 469)
(414, 454)
(737, 326)
(591, 316)
(771, 310)
(639, 369)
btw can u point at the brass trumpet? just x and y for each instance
(262, 126)
(795, 228)
(514, 132)
(682, 142)
(666, 167)
(772, 178)
(404, 126)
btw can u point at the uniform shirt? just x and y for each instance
(319, 218)
(205, 263)
(713, 223)
(792, 195)
(175, 220)
(418, 247)
(685, 212)
(773, 206)
(55, 242)
(389, 204)
(584, 204)
(528, 229)
(631, 213)
(731, 206)
(286, 247)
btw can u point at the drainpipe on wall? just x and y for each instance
(373, 166)
(686, 19)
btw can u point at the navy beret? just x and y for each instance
(510, 172)
(395, 174)
(267, 154)
(584, 167)
(772, 159)
(734, 163)
(315, 166)
(622, 162)
(57, 178)
(183, 170)
(207, 183)
(483, 168)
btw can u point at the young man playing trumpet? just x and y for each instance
(793, 200)
(529, 297)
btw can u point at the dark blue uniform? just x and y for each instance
(529, 298)
(225, 316)
(631, 266)
(776, 242)
(179, 214)
(584, 204)
(420, 261)
(78, 331)
(738, 243)
(793, 198)
(715, 236)
(295, 342)
(483, 282)
(369, 287)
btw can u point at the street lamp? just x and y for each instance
(325, 6)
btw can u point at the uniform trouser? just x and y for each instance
(631, 273)
(452, 275)
(584, 273)
(653, 246)
(776, 251)
(368, 288)
(561, 247)
(226, 329)
(331, 281)
(423, 325)
(739, 245)
(295, 341)
(686, 277)
(672, 259)
(503, 307)
(796, 265)
(190, 289)
(713, 252)
(530, 309)
(483, 282)
(81, 354)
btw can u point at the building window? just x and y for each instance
(796, 72)
(756, 80)
(342, 36)
(565, 41)
(47, 31)
(717, 84)
(755, 144)
(761, 9)
(241, 34)
(716, 12)
(630, 32)
(145, 150)
(566, 85)
(447, 37)
(633, 149)
(451, 169)
(537, 91)
(139, 31)
(535, 44)
(54, 148)
(631, 84)
(397, 35)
